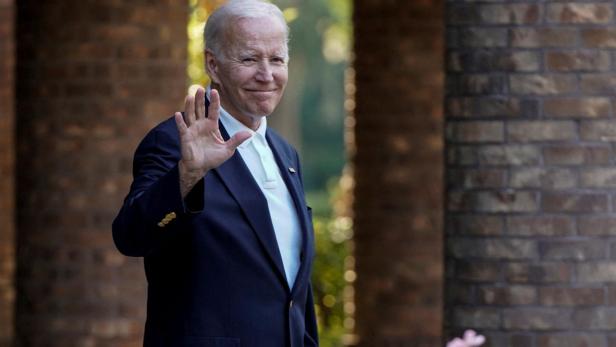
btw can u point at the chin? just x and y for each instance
(263, 111)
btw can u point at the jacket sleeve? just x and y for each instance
(153, 211)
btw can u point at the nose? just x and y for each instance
(264, 72)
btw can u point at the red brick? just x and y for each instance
(481, 83)
(578, 60)
(536, 84)
(593, 107)
(579, 250)
(574, 202)
(475, 225)
(87, 111)
(526, 61)
(598, 178)
(599, 37)
(530, 131)
(512, 249)
(539, 177)
(532, 37)
(600, 318)
(476, 178)
(475, 131)
(479, 271)
(552, 87)
(542, 225)
(559, 296)
(536, 272)
(509, 13)
(483, 37)
(497, 201)
(597, 225)
(493, 14)
(508, 155)
(479, 318)
(611, 295)
(572, 12)
(596, 272)
(537, 319)
(469, 107)
(571, 340)
(576, 155)
(599, 130)
(510, 295)
(598, 83)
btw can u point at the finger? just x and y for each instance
(189, 110)
(179, 122)
(479, 340)
(457, 342)
(200, 101)
(214, 110)
(238, 139)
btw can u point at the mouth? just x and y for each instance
(261, 90)
(263, 93)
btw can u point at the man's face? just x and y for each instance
(252, 75)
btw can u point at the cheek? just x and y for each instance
(237, 77)
(282, 77)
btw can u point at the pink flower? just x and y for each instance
(471, 339)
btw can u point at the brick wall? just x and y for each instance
(531, 183)
(398, 168)
(93, 77)
(7, 161)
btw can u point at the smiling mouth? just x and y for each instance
(260, 91)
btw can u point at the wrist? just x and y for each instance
(190, 173)
(188, 178)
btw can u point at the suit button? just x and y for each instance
(291, 304)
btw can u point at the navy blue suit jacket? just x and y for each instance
(214, 271)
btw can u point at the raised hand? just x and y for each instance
(202, 145)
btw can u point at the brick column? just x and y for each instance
(398, 139)
(531, 183)
(93, 77)
(7, 171)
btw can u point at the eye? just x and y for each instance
(278, 60)
(248, 60)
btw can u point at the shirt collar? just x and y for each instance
(232, 125)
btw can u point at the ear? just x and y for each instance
(211, 66)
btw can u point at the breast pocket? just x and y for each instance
(194, 341)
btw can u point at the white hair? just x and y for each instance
(230, 12)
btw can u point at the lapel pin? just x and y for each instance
(292, 170)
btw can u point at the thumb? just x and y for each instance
(238, 139)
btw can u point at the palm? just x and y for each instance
(202, 145)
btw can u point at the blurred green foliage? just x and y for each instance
(333, 267)
(320, 53)
(320, 45)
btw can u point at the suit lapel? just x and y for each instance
(289, 174)
(238, 179)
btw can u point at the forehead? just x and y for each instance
(257, 33)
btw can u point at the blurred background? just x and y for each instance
(459, 156)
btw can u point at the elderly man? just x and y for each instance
(217, 207)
